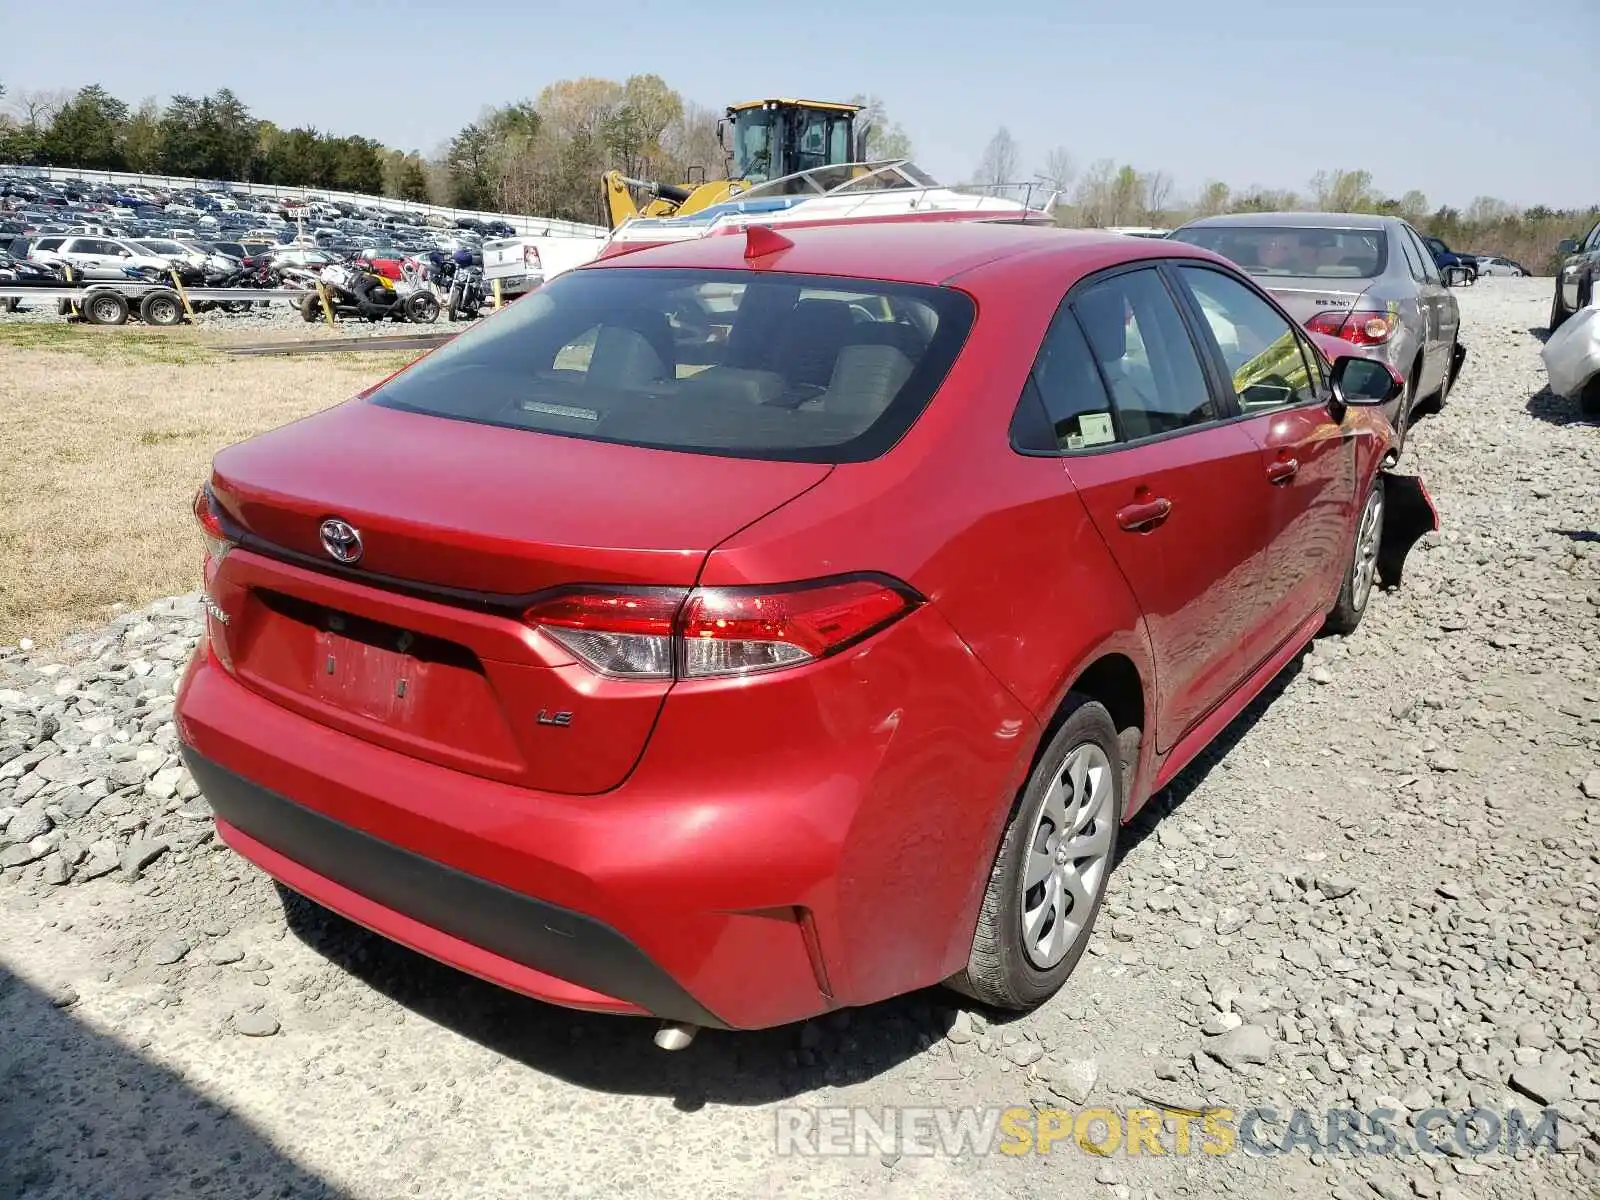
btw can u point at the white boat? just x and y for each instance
(890, 190)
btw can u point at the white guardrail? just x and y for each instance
(526, 225)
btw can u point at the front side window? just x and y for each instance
(1146, 357)
(1265, 359)
(752, 365)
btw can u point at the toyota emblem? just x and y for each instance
(341, 540)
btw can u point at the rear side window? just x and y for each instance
(1292, 250)
(736, 363)
(1067, 383)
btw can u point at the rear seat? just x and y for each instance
(870, 369)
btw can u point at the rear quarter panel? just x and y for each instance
(1000, 545)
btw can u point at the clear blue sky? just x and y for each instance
(1456, 97)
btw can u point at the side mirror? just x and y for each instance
(1365, 382)
(1567, 246)
(1455, 276)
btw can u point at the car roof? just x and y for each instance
(1296, 220)
(927, 252)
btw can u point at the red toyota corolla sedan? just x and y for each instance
(740, 629)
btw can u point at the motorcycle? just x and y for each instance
(371, 297)
(467, 295)
(22, 273)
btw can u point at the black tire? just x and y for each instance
(105, 308)
(1408, 406)
(161, 308)
(1354, 595)
(1589, 399)
(422, 307)
(1436, 405)
(1000, 971)
(311, 307)
(1558, 311)
(12, 304)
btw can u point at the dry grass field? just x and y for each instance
(104, 437)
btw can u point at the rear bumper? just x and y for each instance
(515, 285)
(782, 849)
(514, 940)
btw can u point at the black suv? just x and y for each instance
(1577, 277)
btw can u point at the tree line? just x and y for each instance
(206, 137)
(1108, 193)
(545, 155)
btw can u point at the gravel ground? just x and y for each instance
(1381, 890)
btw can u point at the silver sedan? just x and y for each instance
(1368, 280)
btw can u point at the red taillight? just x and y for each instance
(666, 633)
(624, 634)
(205, 512)
(739, 631)
(530, 258)
(1360, 327)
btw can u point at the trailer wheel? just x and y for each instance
(106, 308)
(311, 308)
(161, 308)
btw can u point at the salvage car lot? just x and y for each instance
(1388, 865)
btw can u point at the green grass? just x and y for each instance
(107, 343)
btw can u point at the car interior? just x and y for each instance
(767, 364)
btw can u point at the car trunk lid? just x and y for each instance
(418, 644)
(1304, 298)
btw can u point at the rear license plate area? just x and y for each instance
(364, 666)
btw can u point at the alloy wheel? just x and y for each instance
(1364, 569)
(1068, 855)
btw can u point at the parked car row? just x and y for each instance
(31, 207)
(385, 283)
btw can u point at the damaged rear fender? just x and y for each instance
(1409, 514)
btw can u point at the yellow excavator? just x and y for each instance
(763, 140)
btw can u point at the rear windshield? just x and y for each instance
(802, 368)
(1310, 253)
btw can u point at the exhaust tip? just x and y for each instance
(675, 1036)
